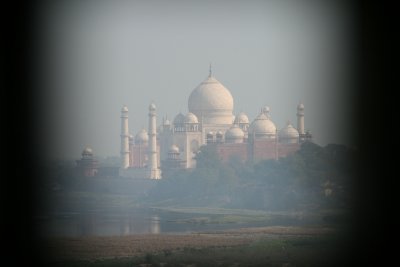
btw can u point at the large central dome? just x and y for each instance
(211, 102)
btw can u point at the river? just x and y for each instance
(137, 221)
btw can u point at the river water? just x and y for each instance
(138, 221)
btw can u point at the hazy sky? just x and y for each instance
(96, 56)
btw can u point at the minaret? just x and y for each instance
(153, 168)
(300, 120)
(276, 144)
(124, 138)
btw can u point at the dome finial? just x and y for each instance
(210, 71)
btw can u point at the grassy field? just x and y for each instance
(266, 246)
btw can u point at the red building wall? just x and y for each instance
(259, 150)
(87, 167)
(263, 149)
(226, 151)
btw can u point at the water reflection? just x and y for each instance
(155, 225)
(86, 225)
(136, 225)
(89, 224)
(126, 227)
(144, 221)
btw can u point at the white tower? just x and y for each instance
(153, 168)
(124, 138)
(300, 119)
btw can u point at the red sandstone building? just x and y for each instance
(87, 165)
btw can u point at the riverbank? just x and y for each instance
(265, 245)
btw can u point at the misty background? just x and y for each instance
(95, 56)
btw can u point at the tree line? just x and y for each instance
(313, 177)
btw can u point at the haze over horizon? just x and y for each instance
(96, 56)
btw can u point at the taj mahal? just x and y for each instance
(211, 122)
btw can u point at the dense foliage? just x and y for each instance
(311, 178)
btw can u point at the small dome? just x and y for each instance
(300, 106)
(141, 137)
(152, 107)
(167, 122)
(241, 118)
(130, 136)
(124, 109)
(179, 119)
(210, 133)
(191, 118)
(219, 133)
(87, 150)
(234, 133)
(288, 132)
(266, 110)
(262, 126)
(174, 149)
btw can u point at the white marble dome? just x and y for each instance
(234, 133)
(179, 119)
(191, 118)
(141, 137)
(124, 109)
(241, 118)
(87, 151)
(262, 127)
(152, 107)
(288, 132)
(265, 109)
(211, 102)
